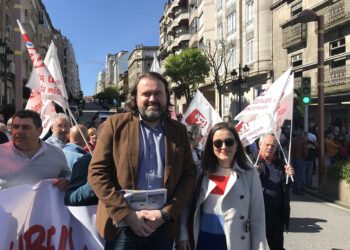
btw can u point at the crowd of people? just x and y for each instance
(216, 197)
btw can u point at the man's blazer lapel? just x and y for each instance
(133, 143)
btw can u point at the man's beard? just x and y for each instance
(152, 115)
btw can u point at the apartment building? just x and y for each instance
(140, 61)
(174, 29)
(70, 70)
(101, 80)
(37, 22)
(120, 66)
(202, 19)
(246, 25)
(295, 44)
(7, 86)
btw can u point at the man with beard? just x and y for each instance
(142, 149)
(27, 159)
(273, 173)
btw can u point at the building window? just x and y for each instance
(41, 17)
(231, 23)
(220, 63)
(218, 4)
(337, 47)
(249, 12)
(296, 9)
(200, 21)
(250, 45)
(193, 26)
(226, 104)
(297, 60)
(232, 58)
(219, 33)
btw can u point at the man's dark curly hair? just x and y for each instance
(131, 101)
(26, 113)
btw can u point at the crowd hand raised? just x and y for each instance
(137, 222)
(183, 245)
(154, 218)
(61, 183)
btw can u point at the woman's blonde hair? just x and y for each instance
(92, 131)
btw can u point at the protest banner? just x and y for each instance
(35, 102)
(201, 113)
(49, 88)
(267, 113)
(34, 217)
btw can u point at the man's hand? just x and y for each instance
(154, 218)
(289, 170)
(61, 183)
(137, 222)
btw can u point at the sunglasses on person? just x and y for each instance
(228, 142)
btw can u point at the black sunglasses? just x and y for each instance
(228, 142)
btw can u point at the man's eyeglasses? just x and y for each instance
(228, 142)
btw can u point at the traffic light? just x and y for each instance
(305, 90)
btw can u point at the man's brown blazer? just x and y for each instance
(114, 166)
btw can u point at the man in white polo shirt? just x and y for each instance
(27, 159)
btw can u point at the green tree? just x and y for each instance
(108, 95)
(187, 70)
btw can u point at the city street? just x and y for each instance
(316, 224)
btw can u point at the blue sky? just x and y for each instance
(98, 27)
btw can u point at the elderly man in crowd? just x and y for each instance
(273, 173)
(60, 129)
(27, 159)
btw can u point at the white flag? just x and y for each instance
(155, 65)
(268, 111)
(53, 65)
(201, 113)
(45, 108)
(48, 87)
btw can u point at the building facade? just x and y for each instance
(37, 22)
(140, 61)
(101, 80)
(70, 70)
(295, 44)
(174, 29)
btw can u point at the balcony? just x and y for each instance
(337, 79)
(336, 14)
(179, 37)
(294, 35)
(181, 17)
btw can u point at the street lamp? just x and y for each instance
(240, 78)
(5, 58)
(304, 17)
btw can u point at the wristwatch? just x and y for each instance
(166, 216)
